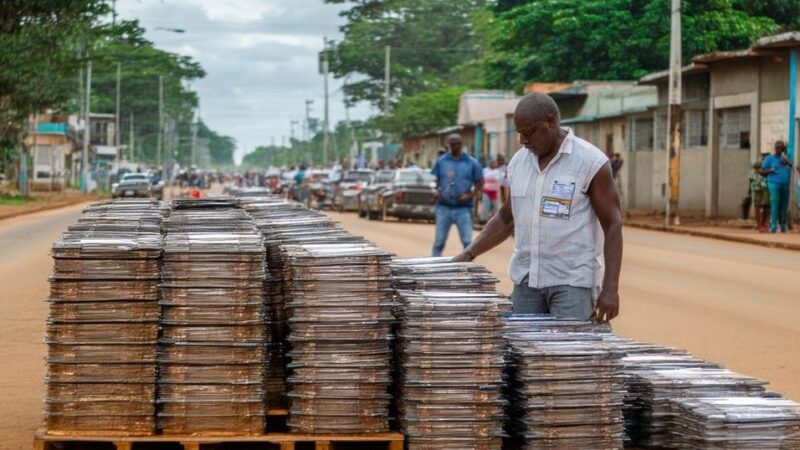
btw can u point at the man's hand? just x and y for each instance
(461, 257)
(437, 196)
(607, 306)
(464, 198)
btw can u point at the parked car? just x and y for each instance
(411, 195)
(368, 199)
(346, 196)
(321, 190)
(156, 185)
(132, 185)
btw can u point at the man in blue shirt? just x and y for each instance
(778, 170)
(459, 180)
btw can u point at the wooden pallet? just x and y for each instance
(285, 441)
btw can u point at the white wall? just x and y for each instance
(734, 169)
(642, 198)
(693, 178)
(659, 180)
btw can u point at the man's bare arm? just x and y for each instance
(605, 202)
(497, 230)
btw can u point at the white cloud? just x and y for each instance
(260, 58)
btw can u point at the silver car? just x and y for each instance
(132, 185)
(346, 196)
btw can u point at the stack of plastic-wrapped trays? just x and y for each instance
(339, 299)
(280, 222)
(655, 389)
(450, 356)
(736, 423)
(211, 351)
(102, 329)
(568, 389)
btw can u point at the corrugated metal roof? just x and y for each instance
(783, 40)
(614, 101)
(655, 77)
(480, 106)
(722, 56)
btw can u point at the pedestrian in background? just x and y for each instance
(459, 180)
(616, 171)
(616, 165)
(503, 168)
(759, 192)
(778, 170)
(490, 202)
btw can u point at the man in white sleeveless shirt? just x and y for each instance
(565, 216)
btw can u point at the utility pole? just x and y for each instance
(194, 144)
(792, 141)
(674, 120)
(307, 130)
(24, 181)
(159, 140)
(131, 143)
(351, 140)
(291, 140)
(86, 132)
(324, 67)
(386, 93)
(387, 72)
(117, 127)
(308, 126)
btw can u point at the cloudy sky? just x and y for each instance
(260, 57)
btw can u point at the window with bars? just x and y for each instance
(661, 132)
(696, 128)
(735, 128)
(643, 134)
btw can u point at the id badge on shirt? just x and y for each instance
(557, 203)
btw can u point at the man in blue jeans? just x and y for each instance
(459, 180)
(778, 170)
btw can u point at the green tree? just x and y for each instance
(785, 13)
(563, 40)
(141, 65)
(425, 112)
(311, 152)
(264, 157)
(39, 46)
(221, 147)
(433, 44)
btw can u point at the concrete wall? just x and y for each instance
(774, 122)
(774, 72)
(647, 186)
(693, 176)
(659, 180)
(734, 77)
(734, 169)
(641, 187)
(694, 87)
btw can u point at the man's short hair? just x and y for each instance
(537, 106)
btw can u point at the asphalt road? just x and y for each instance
(25, 265)
(732, 303)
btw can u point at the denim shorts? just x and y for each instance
(560, 301)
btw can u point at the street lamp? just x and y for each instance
(174, 30)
